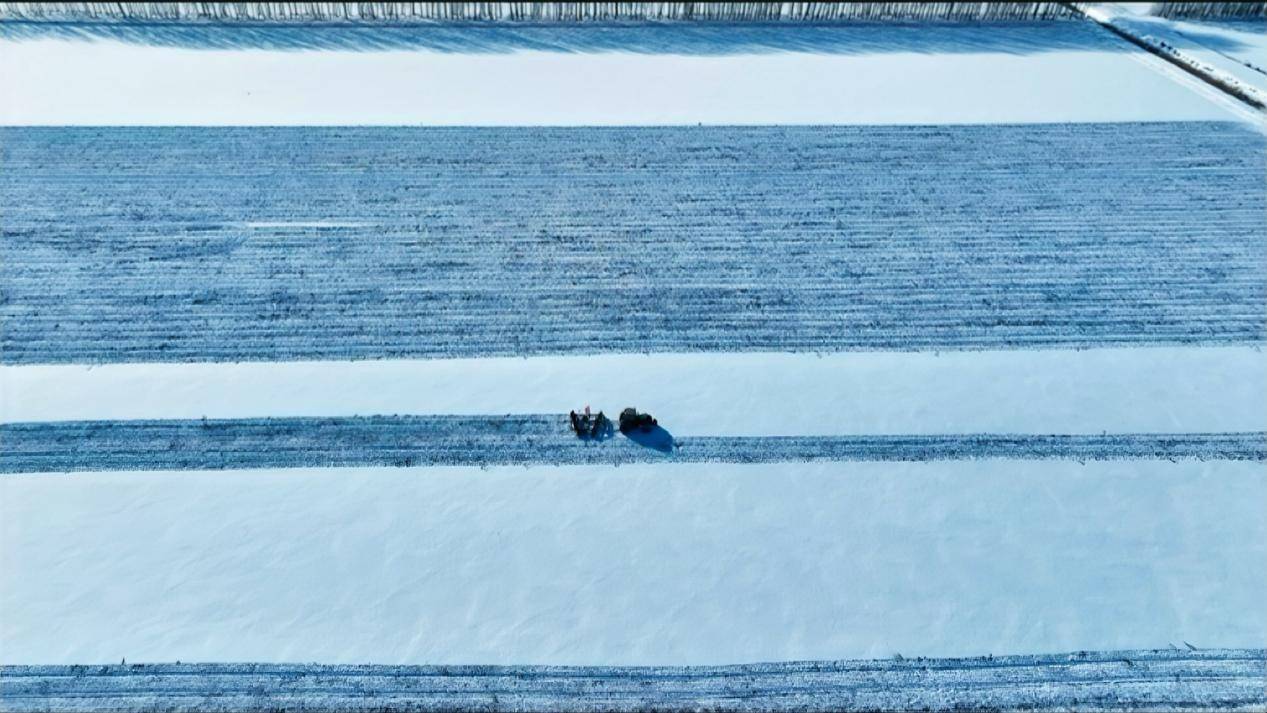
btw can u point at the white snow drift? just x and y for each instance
(651, 564)
(108, 83)
(1121, 390)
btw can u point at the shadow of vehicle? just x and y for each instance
(655, 438)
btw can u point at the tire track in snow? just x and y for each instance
(1118, 680)
(130, 245)
(218, 444)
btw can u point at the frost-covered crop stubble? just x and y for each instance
(531, 439)
(181, 244)
(1130, 680)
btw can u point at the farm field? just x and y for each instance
(676, 74)
(1117, 679)
(641, 564)
(955, 332)
(1018, 391)
(229, 244)
(532, 439)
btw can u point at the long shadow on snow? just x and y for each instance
(657, 439)
(641, 38)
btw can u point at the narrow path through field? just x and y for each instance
(1129, 680)
(531, 439)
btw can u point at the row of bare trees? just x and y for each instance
(533, 11)
(1211, 10)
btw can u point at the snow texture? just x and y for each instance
(869, 74)
(1193, 50)
(1233, 48)
(132, 244)
(530, 439)
(1238, 48)
(645, 564)
(1160, 680)
(172, 245)
(1243, 41)
(1154, 390)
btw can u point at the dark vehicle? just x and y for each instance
(631, 420)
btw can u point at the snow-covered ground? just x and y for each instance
(1225, 53)
(1150, 390)
(645, 563)
(879, 74)
(1244, 41)
(641, 564)
(1238, 47)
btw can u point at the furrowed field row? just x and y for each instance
(530, 439)
(188, 244)
(509, 342)
(1154, 680)
(745, 281)
(853, 295)
(837, 263)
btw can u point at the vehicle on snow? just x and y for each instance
(631, 420)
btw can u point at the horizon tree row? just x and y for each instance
(545, 12)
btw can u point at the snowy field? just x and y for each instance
(534, 439)
(1124, 390)
(1160, 680)
(1244, 41)
(588, 76)
(1235, 47)
(957, 330)
(657, 564)
(196, 244)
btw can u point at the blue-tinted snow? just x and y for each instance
(1171, 679)
(182, 244)
(1234, 48)
(1120, 390)
(213, 444)
(644, 564)
(682, 74)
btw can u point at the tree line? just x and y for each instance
(544, 12)
(1211, 10)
